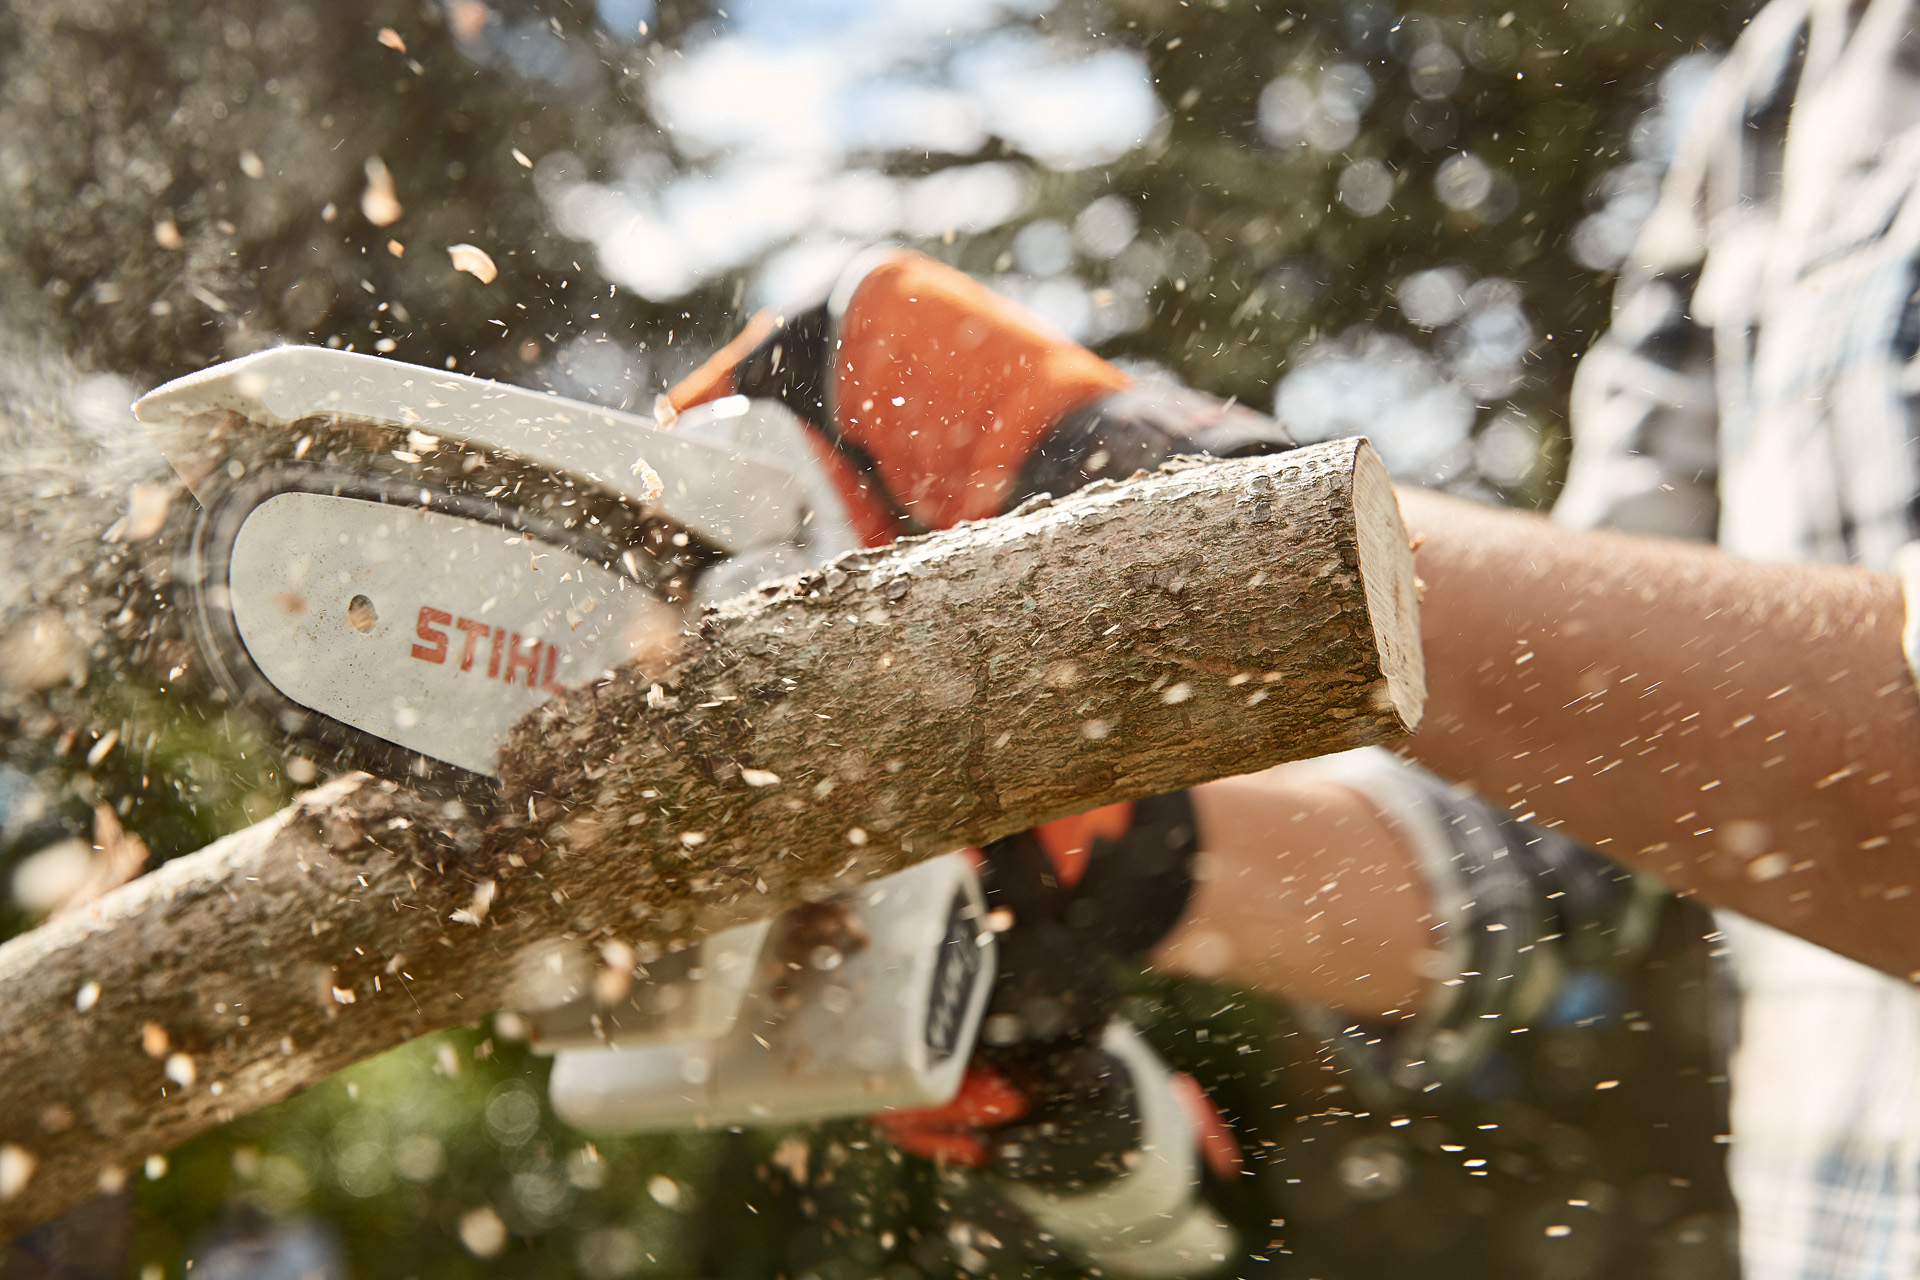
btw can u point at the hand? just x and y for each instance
(1108, 1168)
(976, 1130)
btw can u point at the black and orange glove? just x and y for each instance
(930, 400)
(1044, 1100)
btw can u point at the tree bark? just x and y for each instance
(1211, 619)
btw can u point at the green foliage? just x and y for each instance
(397, 1151)
(136, 131)
(441, 1159)
(183, 771)
(177, 772)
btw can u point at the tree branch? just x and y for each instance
(1208, 620)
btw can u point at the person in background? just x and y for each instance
(1756, 389)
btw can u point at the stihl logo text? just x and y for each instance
(483, 648)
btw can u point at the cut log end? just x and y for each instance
(1392, 591)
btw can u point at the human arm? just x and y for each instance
(1305, 887)
(1799, 815)
(1747, 732)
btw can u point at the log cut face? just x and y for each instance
(1132, 639)
(1209, 620)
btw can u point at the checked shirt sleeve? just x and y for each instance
(1656, 398)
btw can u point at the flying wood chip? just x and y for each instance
(474, 261)
(380, 202)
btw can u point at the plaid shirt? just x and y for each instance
(1759, 387)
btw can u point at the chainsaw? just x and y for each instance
(393, 565)
(396, 565)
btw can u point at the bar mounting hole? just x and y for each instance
(361, 615)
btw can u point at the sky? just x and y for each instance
(781, 114)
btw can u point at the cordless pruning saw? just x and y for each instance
(393, 565)
(396, 565)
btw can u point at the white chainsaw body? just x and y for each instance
(791, 1033)
(404, 612)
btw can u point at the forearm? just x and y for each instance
(1747, 731)
(1304, 888)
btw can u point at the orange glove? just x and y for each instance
(934, 400)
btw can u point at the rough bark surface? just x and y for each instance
(1208, 620)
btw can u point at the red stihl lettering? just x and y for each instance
(508, 653)
(474, 631)
(425, 628)
(523, 655)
